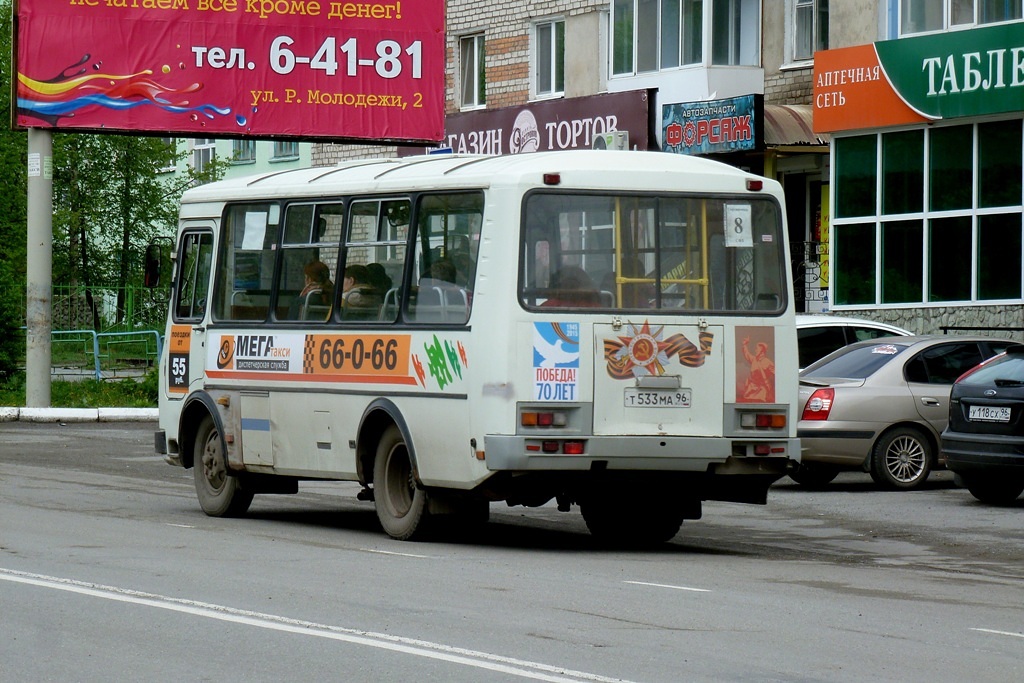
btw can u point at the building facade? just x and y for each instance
(245, 157)
(926, 125)
(734, 80)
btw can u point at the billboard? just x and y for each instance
(706, 127)
(219, 68)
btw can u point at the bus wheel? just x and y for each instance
(401, 505)
(631, 523)
(220, 495)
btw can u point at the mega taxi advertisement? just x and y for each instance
(208, 68)
(430, 362)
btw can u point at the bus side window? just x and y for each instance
(447, 243)
(196, 255)
(306, 278)
(245, 275)
(375, 248)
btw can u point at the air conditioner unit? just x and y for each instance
(616, 139)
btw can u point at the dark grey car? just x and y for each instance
(984, 440)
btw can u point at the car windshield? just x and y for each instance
(857, 363)
(1005, 369)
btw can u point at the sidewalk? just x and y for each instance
(78, 414)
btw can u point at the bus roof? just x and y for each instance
(595, 169)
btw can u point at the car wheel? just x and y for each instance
(813, 475)
(994, 489)
(902, 459)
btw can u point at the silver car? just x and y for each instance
(880, 405)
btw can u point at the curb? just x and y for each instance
(78, 414)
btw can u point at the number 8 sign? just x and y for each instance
(738, 230)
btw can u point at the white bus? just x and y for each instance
(613, 330)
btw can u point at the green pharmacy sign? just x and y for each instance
(960, 73)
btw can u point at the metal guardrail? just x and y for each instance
(145, 337)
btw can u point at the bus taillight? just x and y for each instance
(572, 448)
(763, 420)
(531, 419)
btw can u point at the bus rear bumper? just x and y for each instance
(642, 453)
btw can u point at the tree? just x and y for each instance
(13, 162)
(111, 195)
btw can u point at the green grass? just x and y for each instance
(88, 393)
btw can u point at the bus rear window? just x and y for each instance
(628, 252)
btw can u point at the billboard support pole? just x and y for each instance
(39, 281)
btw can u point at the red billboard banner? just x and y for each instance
(371, 71)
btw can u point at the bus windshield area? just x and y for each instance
(628, 252)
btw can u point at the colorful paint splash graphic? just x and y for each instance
(644, 352)
(79, 87)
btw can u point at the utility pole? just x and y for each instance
(39, 285)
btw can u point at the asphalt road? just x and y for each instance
(109, 571)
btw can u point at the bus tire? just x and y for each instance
(624, 523)
(220, 495)
(401, 504)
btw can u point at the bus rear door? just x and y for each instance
(652, 378)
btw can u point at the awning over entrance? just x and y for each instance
(791, 124)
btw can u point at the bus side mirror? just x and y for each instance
(153, 261)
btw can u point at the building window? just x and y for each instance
(285, 150)
(243, 151)
(473, 82)
(992, 11)
(923, 16)
(810, 28)
(204, 150)
(929, 216)
(550, 56)
(649, 35)
(736, 32)
(171, 146)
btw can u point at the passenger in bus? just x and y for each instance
(463, 263)
(571, 287)
(441, 270)
(378, 277)
(439, 297)
(317, 291)
(358, 295)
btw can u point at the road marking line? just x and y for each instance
(999, 633)
(665, 585)
(384, 641)
(389, 552)
(180, 526)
